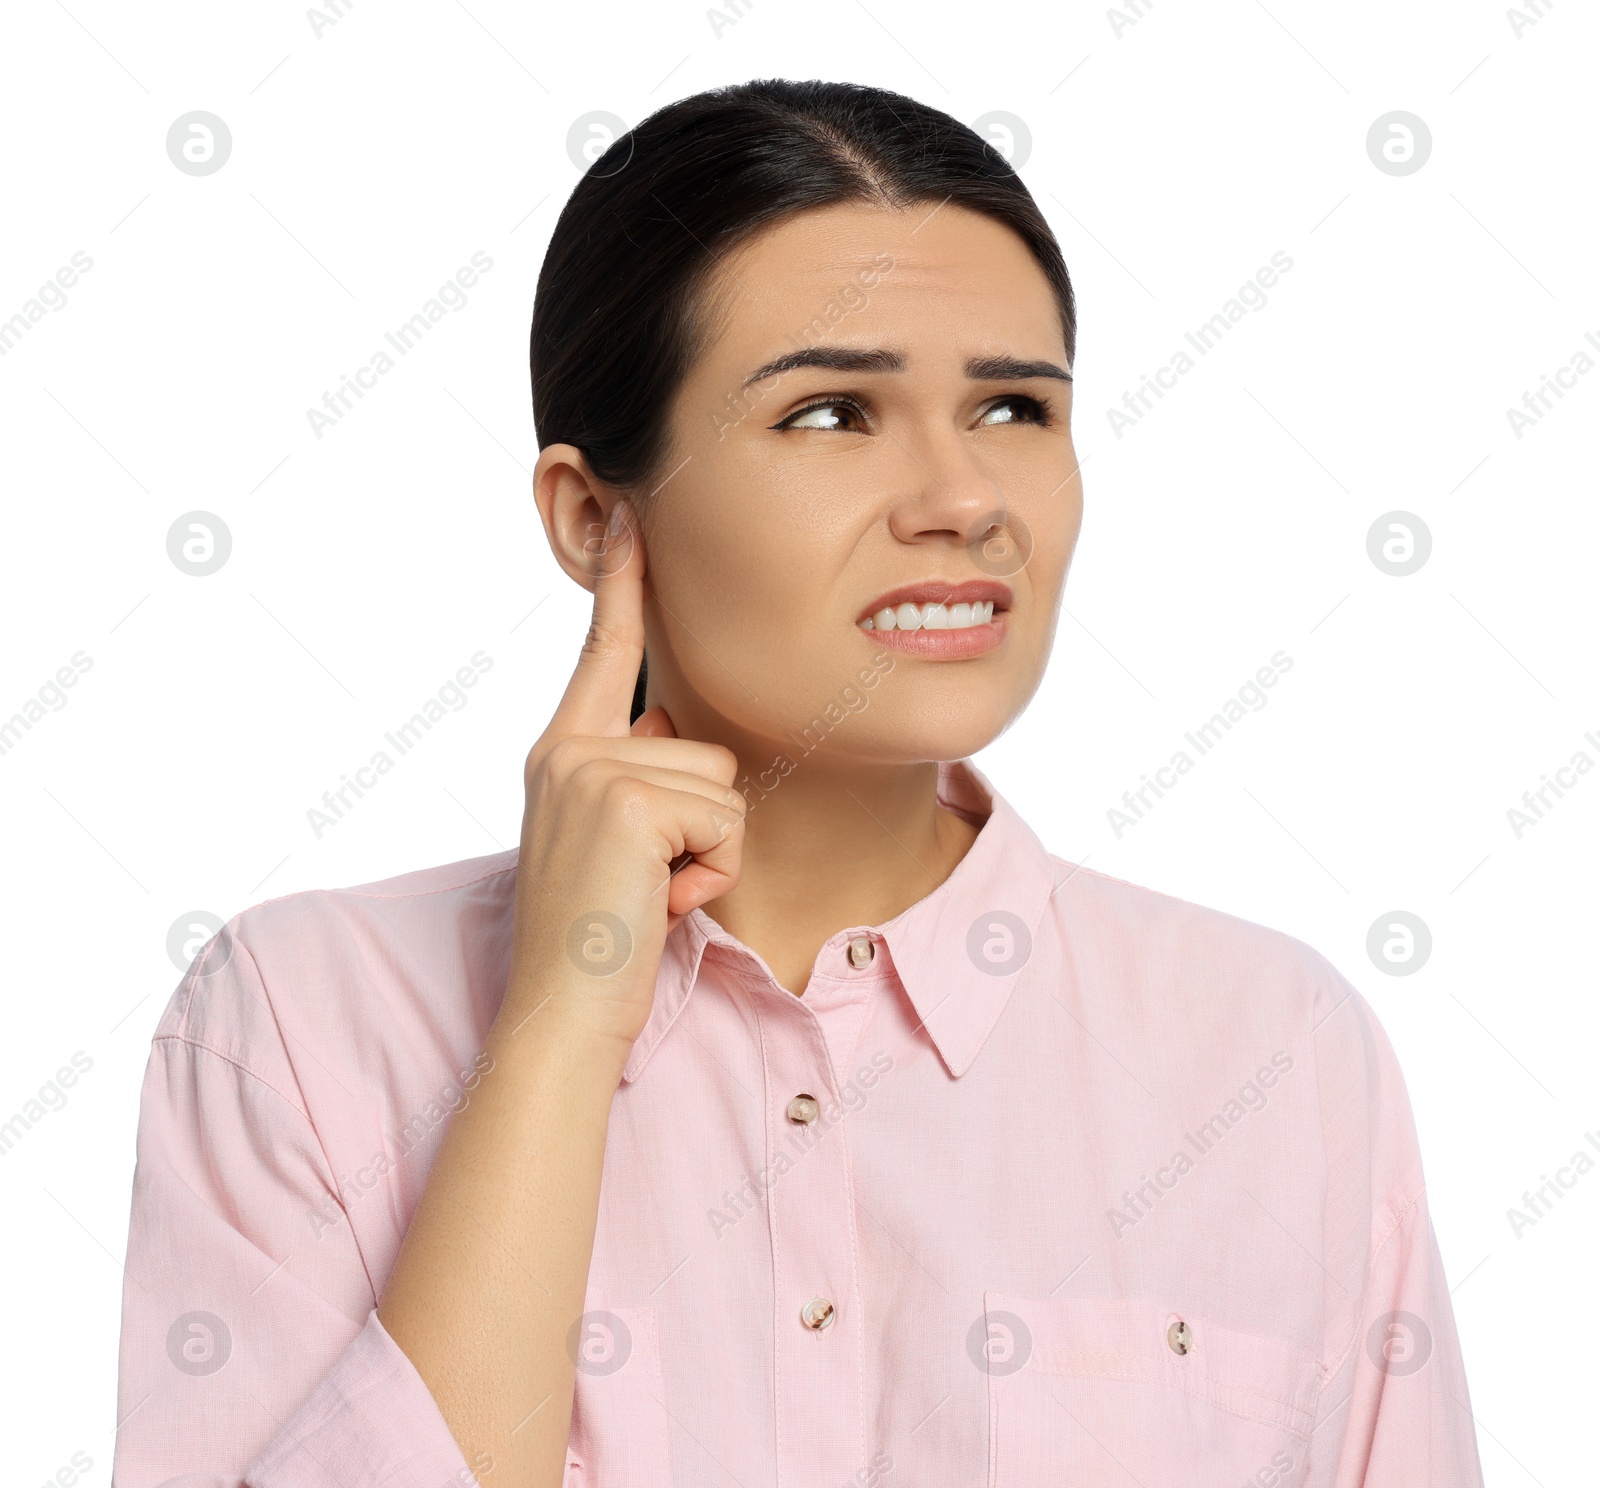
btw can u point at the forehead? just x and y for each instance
(941, 277)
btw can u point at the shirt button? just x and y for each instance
(861, 951)
(1179, 1338)
(817, 1314)
(803, 1108)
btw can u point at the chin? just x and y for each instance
(916, 738)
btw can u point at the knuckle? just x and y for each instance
(601, 642)
(724, 762)
(562, 757)
(626, 797)
(589, 777)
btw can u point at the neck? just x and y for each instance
(836, 842)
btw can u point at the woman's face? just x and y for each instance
(932, 452)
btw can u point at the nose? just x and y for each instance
(948, 494)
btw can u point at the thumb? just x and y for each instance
(653, 723)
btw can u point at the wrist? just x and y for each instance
(549, 1018)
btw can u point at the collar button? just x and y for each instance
(861, 951)
(803, 1109)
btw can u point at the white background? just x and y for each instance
(1173, 154)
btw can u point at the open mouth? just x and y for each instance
(908, 616)
(936, 605)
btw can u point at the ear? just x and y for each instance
(573, 505)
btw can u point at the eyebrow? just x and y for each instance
(847, 359)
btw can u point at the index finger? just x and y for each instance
(599, 696)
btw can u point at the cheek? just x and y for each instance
(1056, 531)
(736, 572)
(758, 625)
(1069, 538)
(749, 544)
(739, 587)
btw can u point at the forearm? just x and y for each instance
(495, 1264)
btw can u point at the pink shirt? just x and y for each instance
(1094, 1186)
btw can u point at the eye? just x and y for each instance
(824, 414)
(1033, 410)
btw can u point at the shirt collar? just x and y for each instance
(958, 952)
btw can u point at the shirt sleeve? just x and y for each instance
(251, 1351)
(1393, 1411)
(1399, 1406)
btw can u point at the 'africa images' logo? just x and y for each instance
(1399, 1343)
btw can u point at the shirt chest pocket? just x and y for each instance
(619, 1436)
(1089, 1391)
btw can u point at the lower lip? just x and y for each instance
(943, 645)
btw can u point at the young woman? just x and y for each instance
(781, 1113)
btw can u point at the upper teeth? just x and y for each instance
(931, 617)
